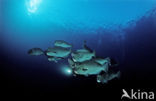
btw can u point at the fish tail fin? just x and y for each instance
(34, 53)
(118, 74)
(71, 63)
(113, 62)
(108, 59)
(105, 68)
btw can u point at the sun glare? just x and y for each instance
(32, 5)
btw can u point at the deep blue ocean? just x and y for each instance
(124, 30)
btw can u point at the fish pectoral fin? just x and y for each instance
(74, 75)
(71, 63)
(86, 75)
(60, 58)
(55, 61)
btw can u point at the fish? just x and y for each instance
(104, 78)
(54, 59)
(36, 51)
(58, 52)
(103, 61)
(82, 50)
(61, 43)
(87, 68)
(82, 56)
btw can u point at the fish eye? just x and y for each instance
(84, 69)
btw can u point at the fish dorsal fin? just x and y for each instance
(82, 50)
(86, 47)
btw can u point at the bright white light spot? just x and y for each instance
(32, 5)
(66, 70)
(69, 71)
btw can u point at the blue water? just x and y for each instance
(23, 28)
(121, 29)
(60, 19)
